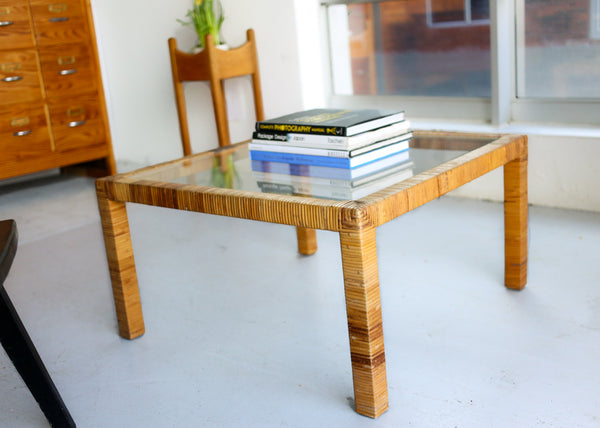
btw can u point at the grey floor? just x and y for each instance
(241, 331)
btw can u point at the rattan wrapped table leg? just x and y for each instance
(365, 328)
(515, 223)
(121, 263)
(307, 241)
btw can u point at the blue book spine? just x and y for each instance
(301, 159)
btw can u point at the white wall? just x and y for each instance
(132, 37)
(563, 168)
(563, 171)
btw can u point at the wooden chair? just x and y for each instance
(18, 345)
(216, 65)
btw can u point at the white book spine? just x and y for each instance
(333, 142)
(256, 145)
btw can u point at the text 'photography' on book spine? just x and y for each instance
(331, 153)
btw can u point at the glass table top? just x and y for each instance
(232, 168)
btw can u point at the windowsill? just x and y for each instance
(559, 130)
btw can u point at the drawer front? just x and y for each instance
(77, 123)
(19, 77)
(60, 22)
(67, 70)
(15, 29)
(23, 132)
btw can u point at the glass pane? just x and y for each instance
(232, 168)
(447, 11)
(480, 9)
(411, 47)
(559, 49)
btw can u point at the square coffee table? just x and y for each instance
(221, 182)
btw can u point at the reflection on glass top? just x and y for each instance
(232, 168)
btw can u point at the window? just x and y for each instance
(524, 60)
(402, 48)
(448, 13)
(559, 56)
(594, 19)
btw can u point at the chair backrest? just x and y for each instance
(214, 65)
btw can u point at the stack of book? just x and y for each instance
(340, 154)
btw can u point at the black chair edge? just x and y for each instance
(19, 346)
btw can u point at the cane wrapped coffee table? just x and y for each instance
(441, 162)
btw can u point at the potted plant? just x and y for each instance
(206, 17)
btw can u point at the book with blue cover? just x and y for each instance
(329, 161)
(329, 172)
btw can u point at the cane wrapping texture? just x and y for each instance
(365, 327)
(356, 221)
(119, 253)
(307, 241)
(515, 223)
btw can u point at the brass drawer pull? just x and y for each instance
(22, 133)
(6, 23)
(76, 111)
(66, 60)
(67, 72)
(59, 19)
(10, 67)
(57, 7)
(76, 123)
(12, 78)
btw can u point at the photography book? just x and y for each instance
(338, 122)
(334, 142)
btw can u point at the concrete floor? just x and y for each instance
(241, 331)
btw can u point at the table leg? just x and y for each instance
(119, 253)
(307, 241)
(515, 223)
(365, 328)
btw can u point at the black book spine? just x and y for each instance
(285, 128)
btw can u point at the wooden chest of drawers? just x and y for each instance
(52, 106)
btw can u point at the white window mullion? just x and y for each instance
(468, 19)
(594, 19)
(341, 68)
(502, 53)
(429, 13)
(520, 48)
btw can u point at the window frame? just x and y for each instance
(503, 107)
(467, 21)
(595, 19)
